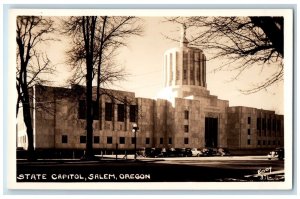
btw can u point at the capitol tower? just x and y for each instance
(184, 71)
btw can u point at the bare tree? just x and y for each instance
(31, 63)
(95, 42)
(241, 41)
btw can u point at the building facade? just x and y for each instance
(184, 115)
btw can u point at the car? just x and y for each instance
(141, 152)
(188, 152)
(180, 152)
(171, 152)
(183, 152)
(153, 152)
(196, 152)
(164, 152)
(209, 152)
(278, 153)
(223, 152)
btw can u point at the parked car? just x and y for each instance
(223, 152)
(209, 152)
(196, 152)
(183, 152)
(171, 152)
(164, 152)
(278, 153)
(188, 152)
(153, 152)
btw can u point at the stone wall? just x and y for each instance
(243, 131)
(180, 124)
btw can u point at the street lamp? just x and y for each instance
(135, 128)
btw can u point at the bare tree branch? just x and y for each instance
(31, 31)
(95, 43)
(240, 40)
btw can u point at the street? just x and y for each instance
(183, 169)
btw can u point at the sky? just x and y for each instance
(143, 61)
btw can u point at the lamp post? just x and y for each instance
(135, 128)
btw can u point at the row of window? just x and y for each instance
(264, 142)
(109, 113)
(268, 124)
(109, 140)
(269, 142)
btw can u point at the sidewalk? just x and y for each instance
(122, 157)
(262, 157)
(101, 158)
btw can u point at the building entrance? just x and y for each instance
(211, 132)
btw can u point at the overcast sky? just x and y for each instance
(143, 60)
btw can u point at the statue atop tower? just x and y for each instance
(183, 40)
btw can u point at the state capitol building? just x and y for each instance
(185, 115)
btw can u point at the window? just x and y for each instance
(186, 140)
(82, 139)
(248, 141)
(249, 120)
(274, 142)
(177, 72)
(198, 75)
(95, 110)
(132, 113)
(147, 140)
(258, 123)
(264, 142)
(249, 132)
(258, 142)
(121, 112)
(109, 140)
(184, 75)
(96, 139)
(192, 74)
(279, 142)
(82, 110)
(269, 142)
(186, 115)
(186, 128)
(64, 139)
(278, 125)
(170, 140)
(133, 140)
(269, 124)
(122, 140)
(274, 125)
(161, 141)
(264, 124)
(108, 111)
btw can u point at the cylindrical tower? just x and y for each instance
(184, 65)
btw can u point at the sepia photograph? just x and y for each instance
(162, 99)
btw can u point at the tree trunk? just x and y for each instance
(88, 27)
(89, 115)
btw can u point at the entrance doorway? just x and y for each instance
(211, 132)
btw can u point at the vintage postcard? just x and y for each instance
(150, 99)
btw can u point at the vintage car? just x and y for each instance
(223, 152)
(196, 152)
(277, 154)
